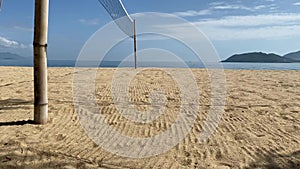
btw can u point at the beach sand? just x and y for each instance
(260, 127)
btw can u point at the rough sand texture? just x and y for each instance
(259, 129)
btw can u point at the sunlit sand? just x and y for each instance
(260, 127)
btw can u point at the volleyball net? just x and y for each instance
(116, 10)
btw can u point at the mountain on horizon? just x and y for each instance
(10, 56)
(260, 57)
(12, 59)
(293, 55)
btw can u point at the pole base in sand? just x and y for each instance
(41, 114)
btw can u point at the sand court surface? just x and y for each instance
(260, 127)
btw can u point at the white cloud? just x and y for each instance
(232, 7)
(150, 37)
(296, 3)
(226, 6)
(276, 26)
(11, 43)
(217, 3)
(271, 6)
(23, 28)
(94, 21)
(254, 20)
(269, 32)
(270, 26)
(192, 13)
(7, 43)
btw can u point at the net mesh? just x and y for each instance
(119, 14)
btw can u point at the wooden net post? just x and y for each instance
(134, 37)
(0, 5)
(40, 61)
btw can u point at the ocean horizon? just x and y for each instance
(188, 64)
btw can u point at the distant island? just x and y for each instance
(11, 59)
(293, 56)
(10, 56)
(260, 57)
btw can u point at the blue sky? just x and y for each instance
(232, 26)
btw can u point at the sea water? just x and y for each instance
(114, 64)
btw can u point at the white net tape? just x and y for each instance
(116, 10)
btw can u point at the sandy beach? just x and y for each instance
(260, 127)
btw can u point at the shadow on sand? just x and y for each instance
(14, 156)
(275, 160)
(13, 104)
(17, 123)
